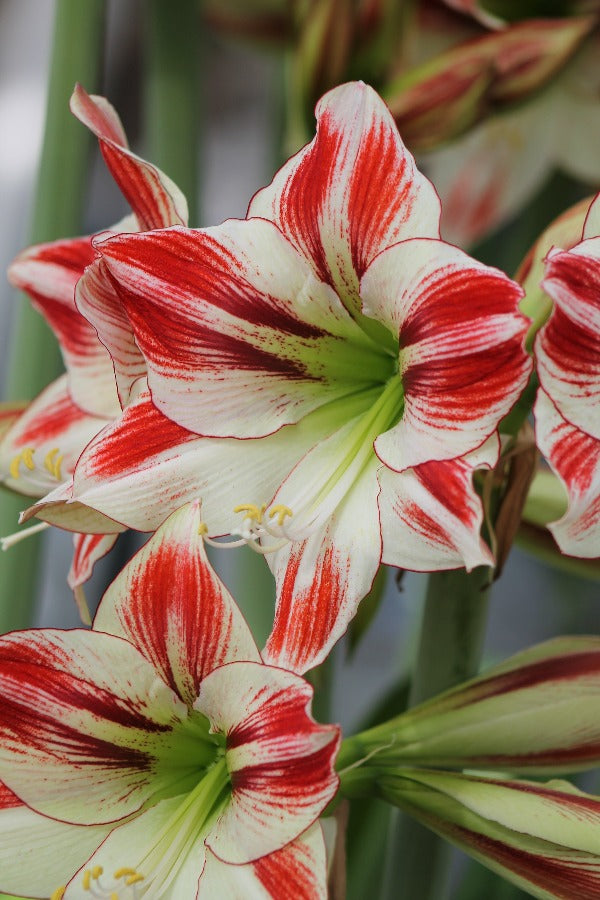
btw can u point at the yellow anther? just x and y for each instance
(53, 464)
(14, 466)
(114, 896)
(133, 879)
(281, 512)
(97, 871)
(125, 870)
(27, 457)
(202, 528)
(253, 512)
(59, 893)
(86, 880)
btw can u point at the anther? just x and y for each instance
(53, 463)
(202, 529)
(134, 879)
(281, 511)
(27, 457)
(122, 872)
(59, 893)
(254, 512)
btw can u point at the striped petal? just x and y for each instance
(567, 348)
(462, 359)
(431, 515)
(280, 760)
(322, 578)
(41, 449)
(83, 719)
(298, 870)
(232, 309)
(170, 605)
(544, 838)
(37, 854)
(48, 273)
(87, 550)
(351, 192)
(156, 201)
(575, 457)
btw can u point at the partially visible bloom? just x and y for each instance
(331, 369)
(39, 451)
(567, 409)
(158, 751)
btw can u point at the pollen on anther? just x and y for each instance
(281, 511)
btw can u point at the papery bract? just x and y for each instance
(162, 737)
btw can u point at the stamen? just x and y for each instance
(10, 540)
(281, 512)
(53, 465)
(27, 457)
(52, 462)
(59, 893)
(255, 513)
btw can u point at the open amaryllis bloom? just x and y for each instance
(326, 374)
(156, 755)
(567, 409)
(39, 452)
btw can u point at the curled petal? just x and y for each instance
(88, 549)
(575, 457)
(462, 359)
(156, 201)
(169, 603)
(351, 192)
(280, 760)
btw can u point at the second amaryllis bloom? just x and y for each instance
(156, 755)
(331, 372)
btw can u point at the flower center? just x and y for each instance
(52, 462)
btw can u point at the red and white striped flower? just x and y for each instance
(39, 452)
(157, 752)
(567, 409)
(328, 366)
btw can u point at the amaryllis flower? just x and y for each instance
(157, 750)
(332, 374)
(567, 409)
(41, 448)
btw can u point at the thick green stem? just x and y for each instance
(173, 105)
(34, 359)
(451, 643)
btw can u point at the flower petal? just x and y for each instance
(97, 299)
(156, 201)
(567, 348)
(462, 359)
(279, 759)
(38, 854)
(87, 550)
(82, 720)
(298, 870)
(48, 273)
(169, 603)
(431, 515)
(42, 447)
(575, 457)
(322, 579)
(232, 309)
(351, 192)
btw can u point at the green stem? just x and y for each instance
(451, 644)
(34, 359)
(173, 108)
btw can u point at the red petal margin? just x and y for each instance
(281, 762)
(169, 603)
(155, 200)
(351, 192)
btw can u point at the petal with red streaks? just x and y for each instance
(156, 201)
(83, 720)
(575, 457)
(431, 515)
(298, 870)
(351, 192)
(280, 761)
(169, 603)
(462, 360)
(226, 311)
